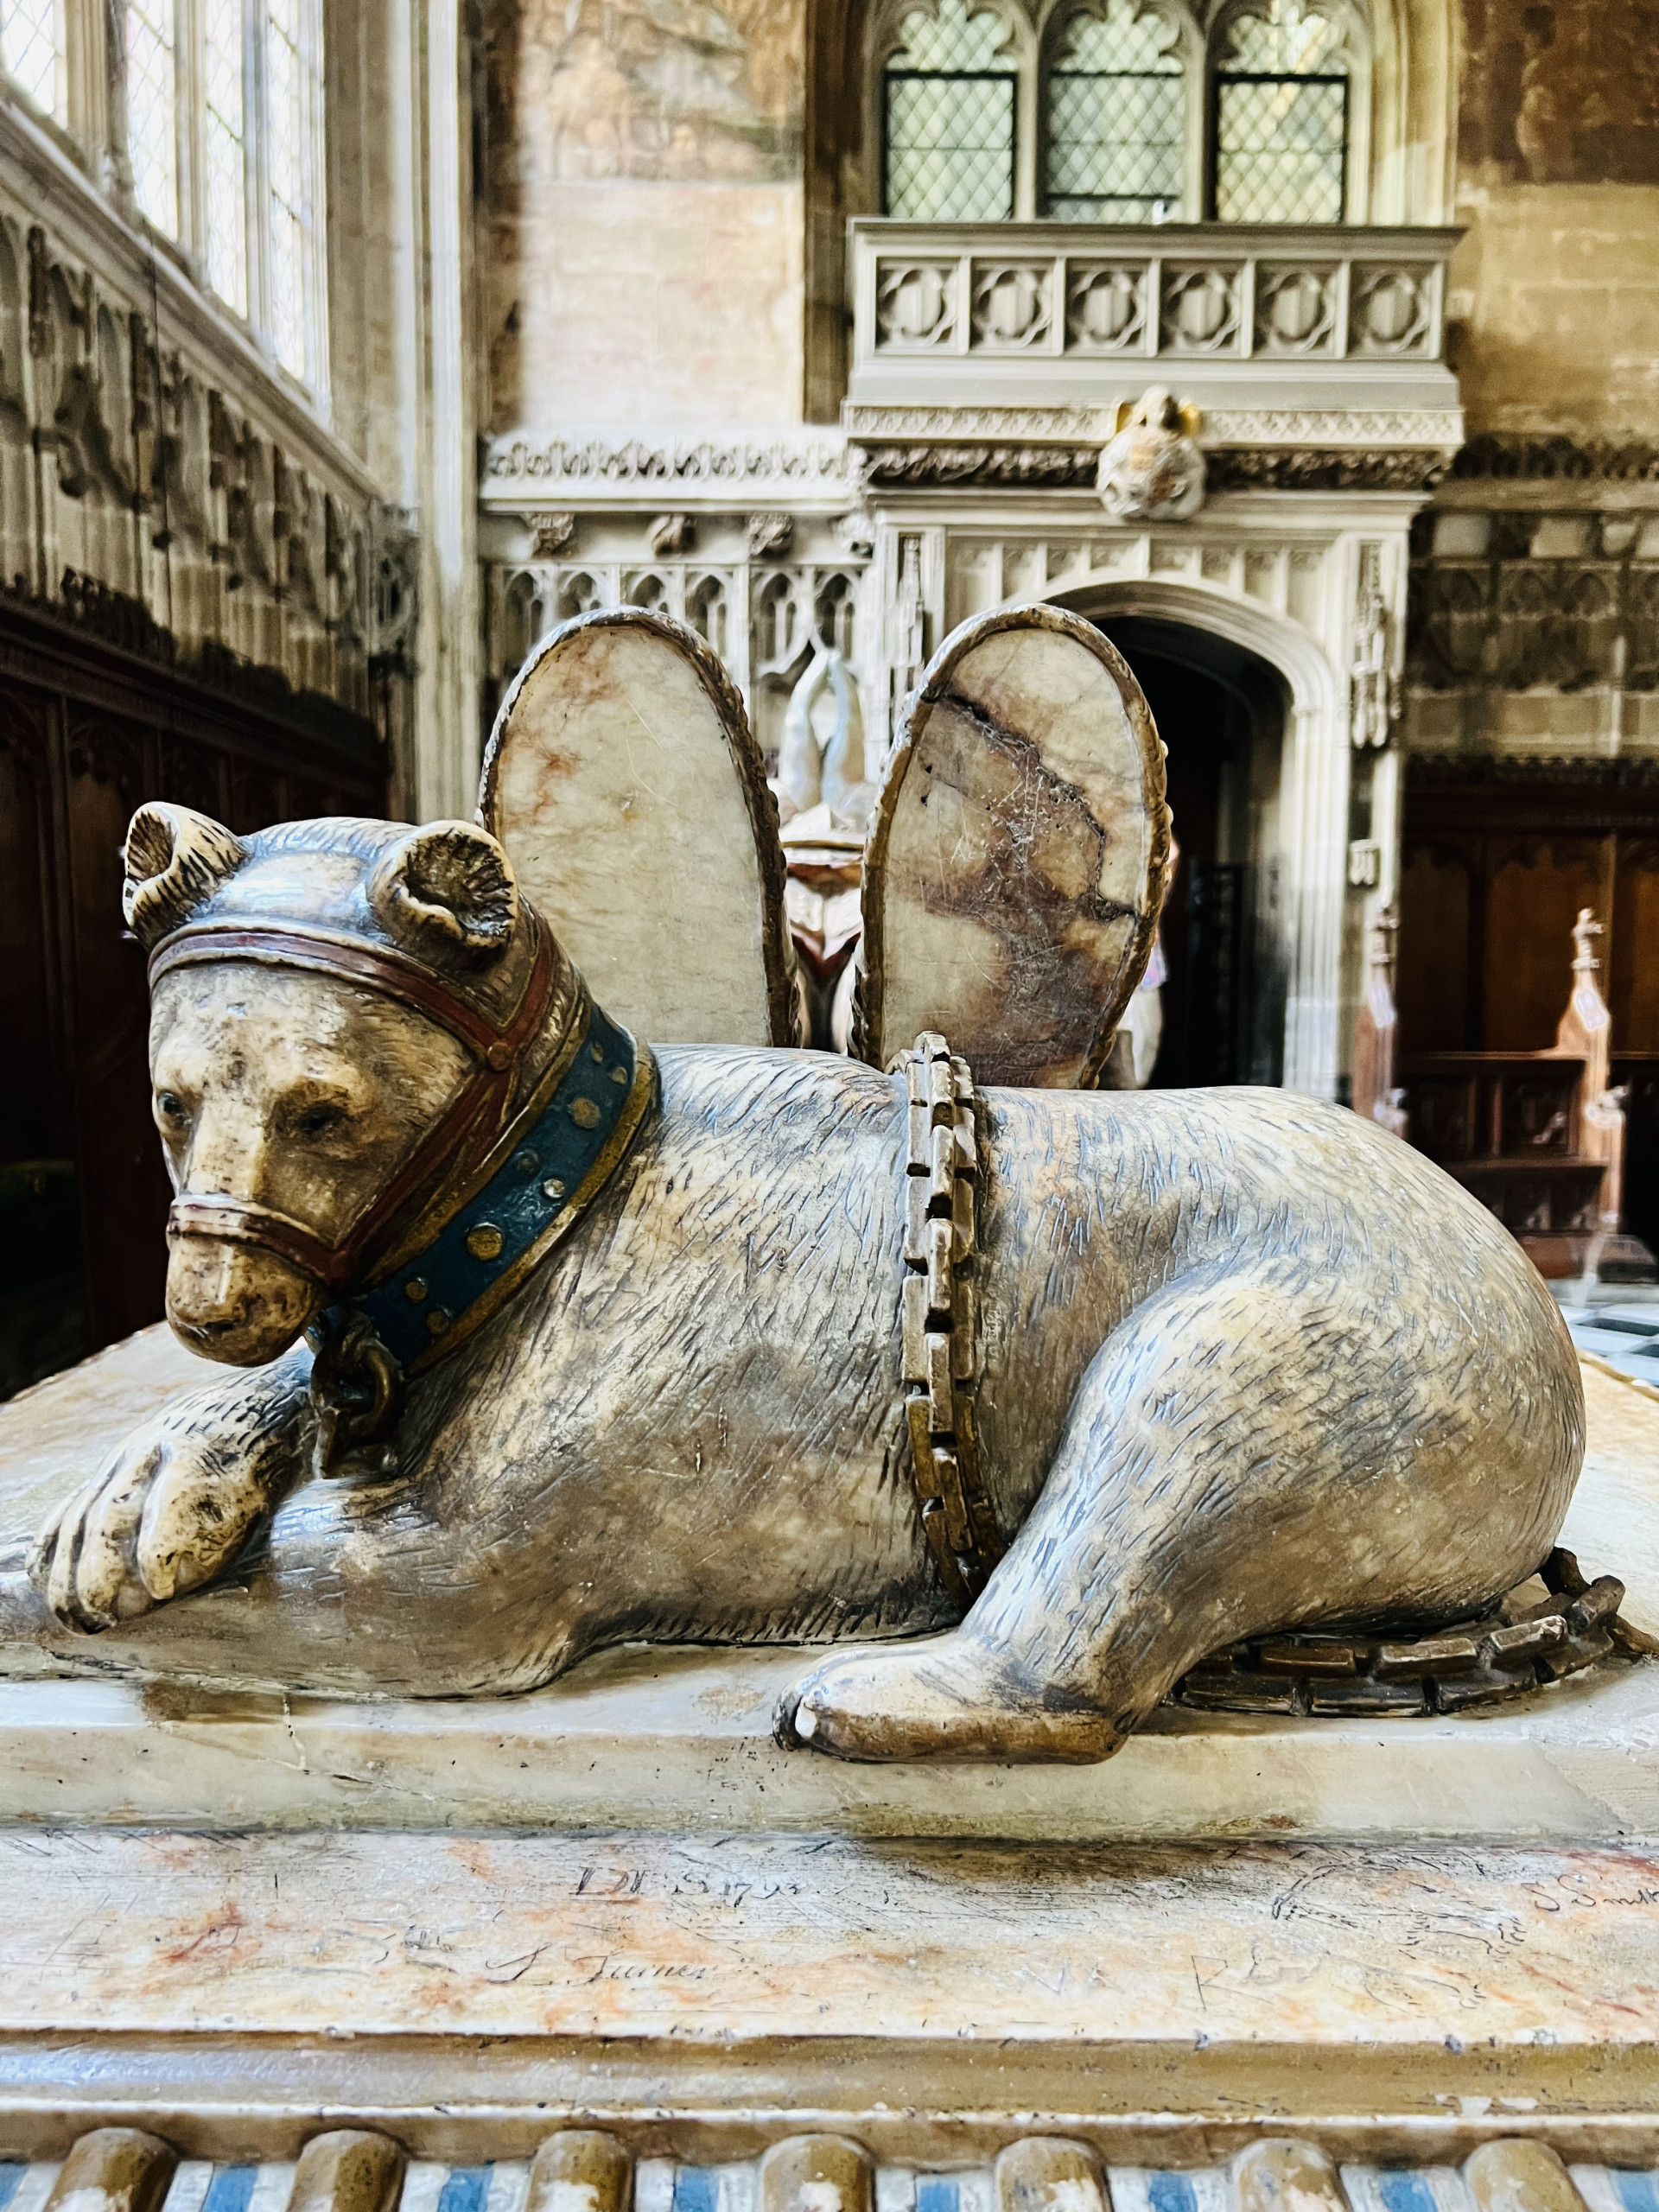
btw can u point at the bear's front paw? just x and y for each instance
(160, 1517)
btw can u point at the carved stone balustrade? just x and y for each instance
(1073, 318)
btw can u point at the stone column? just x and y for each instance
(446, 734)
(1316, 853)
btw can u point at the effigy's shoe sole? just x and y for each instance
(626, 784)
(1016, 863)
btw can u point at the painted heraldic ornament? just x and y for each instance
(1023, 1401)
(1151, 469)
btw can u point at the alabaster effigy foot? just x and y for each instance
(626, 785)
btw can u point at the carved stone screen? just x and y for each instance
(948, 120)
(1281, 120)
(1116, 118)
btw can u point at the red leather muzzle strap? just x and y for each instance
(464, 1131)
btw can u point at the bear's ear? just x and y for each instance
(175, 858)
(448, 887)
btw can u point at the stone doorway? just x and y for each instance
(1220, 710)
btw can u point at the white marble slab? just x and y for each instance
(681, 1741)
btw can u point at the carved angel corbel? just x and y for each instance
(1151, 470)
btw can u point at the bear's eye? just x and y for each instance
(317, 1121)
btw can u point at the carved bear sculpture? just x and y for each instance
(1247, 1362)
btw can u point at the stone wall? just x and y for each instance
(1535, 575)
(1555, 291)
(644, 217)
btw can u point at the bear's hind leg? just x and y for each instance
(1250, 1449)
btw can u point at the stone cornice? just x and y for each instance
(1553, 457)
(1344, 468)
(1435, 769)
(1435, 429)
(939, 467)
(796, 469)
(942, 447)
(43, 185)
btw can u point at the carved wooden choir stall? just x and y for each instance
(1538, 1137)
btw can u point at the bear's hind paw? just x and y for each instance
(940, 1698)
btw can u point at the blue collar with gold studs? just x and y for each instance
(534, 1189)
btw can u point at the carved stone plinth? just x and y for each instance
(817, 1987)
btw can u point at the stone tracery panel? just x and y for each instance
(1199, 310)
(1296, 308)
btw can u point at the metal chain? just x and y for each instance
(939, 1316)
(1516, 1648)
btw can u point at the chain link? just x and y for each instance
(940, 1315)
(1516, 1647)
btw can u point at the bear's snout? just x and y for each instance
(239, 1304)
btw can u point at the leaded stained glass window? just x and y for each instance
(1281, 118)
(153, 110)
(294, 103)
(224, 167)
(33, 53)
(1116, 118)
(261, 147)
(950, 110)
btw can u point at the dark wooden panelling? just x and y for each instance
(31, 1104)
(1633, 970)
(87, 732)
(1498, 858)
(1535, 885)
(1434, 960)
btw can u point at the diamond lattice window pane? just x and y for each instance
(1115, 146)
(32, 51)
(294, 96)
(152, 112)
(225, 147)
(949, 155)
(1126, 40)
(1116, 118)
(1281, 146)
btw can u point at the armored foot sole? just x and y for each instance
(1015, 867)
(945, 1698)
(621, 764)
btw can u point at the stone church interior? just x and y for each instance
(829, 883)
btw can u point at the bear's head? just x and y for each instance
(342, 1013)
